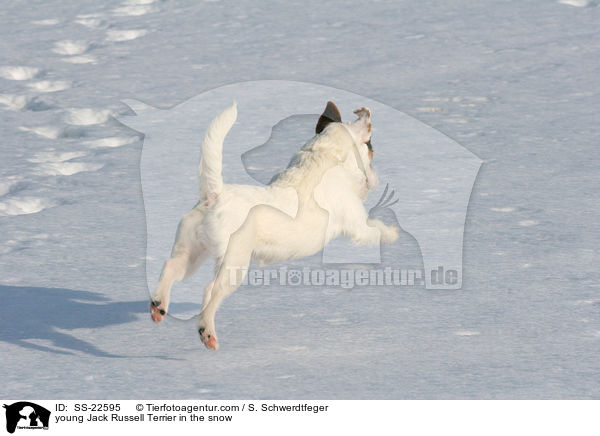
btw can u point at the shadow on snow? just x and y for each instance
(44, 314)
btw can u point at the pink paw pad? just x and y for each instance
(157, 311)
(209, 341)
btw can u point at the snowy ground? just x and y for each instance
(514, 82)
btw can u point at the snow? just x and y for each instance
(124, 35)
(50, 132)
(91, 21)
(68, 47)
(85, 59)
(14, 102)
(23, 206)
(49, 86)
(513, 82)
(87, 116)
(528, 223)
(46, 22)
(134, 10)
(503, 209)
(18, 73)
(576, 3)
(112, 142)
(55, 157)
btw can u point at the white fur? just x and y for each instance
(210, 168)
(317, 198)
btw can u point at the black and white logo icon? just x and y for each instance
(26, 415)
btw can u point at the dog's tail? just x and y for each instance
(211, 164)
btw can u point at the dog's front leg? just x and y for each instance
(388, 234)
(367, 231)
(372, 232)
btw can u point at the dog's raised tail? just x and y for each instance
(211, 165)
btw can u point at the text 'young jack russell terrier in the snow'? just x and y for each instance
(317, 198)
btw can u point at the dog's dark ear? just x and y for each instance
(331, 114)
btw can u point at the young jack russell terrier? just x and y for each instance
(316, 199)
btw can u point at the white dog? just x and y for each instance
(317, 198)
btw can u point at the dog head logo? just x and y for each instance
(26, 415)
(426, 177)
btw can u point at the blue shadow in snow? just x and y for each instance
(41, 313)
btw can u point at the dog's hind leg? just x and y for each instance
(177, 268)
(229, 277)
(261, 220)
(259, 230)
(186, 257)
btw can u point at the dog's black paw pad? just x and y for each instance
(201, 332)
(210, 341)
(160, 310)
(157, 312)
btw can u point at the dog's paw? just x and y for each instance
(208, 338)
(389, 234)
(157, 311)
(386, 234)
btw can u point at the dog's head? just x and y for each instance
(360, 130)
